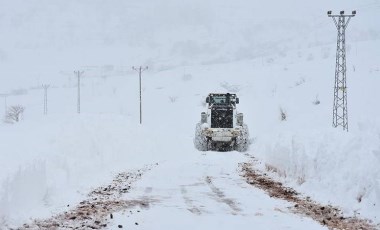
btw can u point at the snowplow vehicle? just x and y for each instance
(221, 128)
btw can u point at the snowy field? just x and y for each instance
(272, 61)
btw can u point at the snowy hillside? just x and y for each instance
(273, 57)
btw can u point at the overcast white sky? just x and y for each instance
(42, 37)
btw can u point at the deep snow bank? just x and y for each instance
(329, 165)
(57, 160)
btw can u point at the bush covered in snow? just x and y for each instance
(14, 114)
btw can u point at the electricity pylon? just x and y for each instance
(340, 115)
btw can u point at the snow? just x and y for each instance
(334, 168)
(205, 191)
(273, 61)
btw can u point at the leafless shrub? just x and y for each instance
(301, 179)
(300, 81)
(282, 173)
(316, 101)
(283, 114)
(271, 168)
(14, 114)
(360, 195)
(173, 99)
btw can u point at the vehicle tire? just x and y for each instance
(242, 141)
(200, 141)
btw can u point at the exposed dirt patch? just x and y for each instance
(94, 212)
(326, 215)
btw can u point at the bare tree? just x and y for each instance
(14, 113)
(283, 114)
(316, 101)
(173, 99)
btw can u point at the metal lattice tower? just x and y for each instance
(340, 115)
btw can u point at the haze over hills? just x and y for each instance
(41, 38)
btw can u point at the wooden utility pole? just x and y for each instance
(140, 70)
(45, 98)
(78, 73)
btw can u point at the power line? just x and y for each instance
(340, 113)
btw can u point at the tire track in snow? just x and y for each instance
(189, 202)
(221, 197)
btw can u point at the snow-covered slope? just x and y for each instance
(273, 57)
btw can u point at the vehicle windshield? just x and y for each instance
(219, 99)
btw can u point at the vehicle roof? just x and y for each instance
(220, 94)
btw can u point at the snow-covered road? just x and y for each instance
(202, 190)
(205, 191)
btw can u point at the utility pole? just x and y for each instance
(340, 115)
(140, 70)
(78, 73)
(45, 98)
